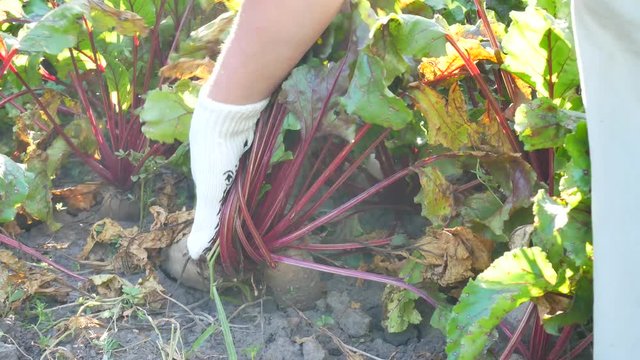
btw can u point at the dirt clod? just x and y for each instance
(282, 349)
(355, 322)
(8, 352)
(312, 350)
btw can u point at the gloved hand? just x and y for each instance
(219, 135)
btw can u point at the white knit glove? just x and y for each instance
(219, 135)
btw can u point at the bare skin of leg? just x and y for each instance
(266, 43)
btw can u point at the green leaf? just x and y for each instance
(307, 88)
(577, 145)
(540, 51)
(57, 30)
(540, 124)
(577, 172)
(119, 84)
(561, 229)
(580, 311)
(369, 98)
(14, 187)
(395, 37)
(166, 113)
(511, 183)
(124, 22)
(514, 278)
(560, 9)
(400, 309)
(435, 196)
(144, 8)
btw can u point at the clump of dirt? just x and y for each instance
(294, 286)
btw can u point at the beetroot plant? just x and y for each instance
(83, 78)
(490, 130)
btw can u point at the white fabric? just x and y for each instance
(219, 135)
(608, 44)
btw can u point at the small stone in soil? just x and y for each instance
(282, 349)
(381, 348)
(8, 352)
(401, 338)
(355, 322)
(312, 350)
(338, 302)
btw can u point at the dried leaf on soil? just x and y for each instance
(145, 292)
(124, 22)
(453, 255)
(133, 245)
(81, 197)
(103, 232)
(19, 281)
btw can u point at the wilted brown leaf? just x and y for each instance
(133, 245)
(106, 231)
(148, 289)
(206, 40)
(82, 322)
(451, 66)
(166, 193)
(435, 196)
(552, 304)
(447, 120)
(152, 291)
(487, 135)
(188, 68)
(166, 228)
(19, 281)
(453, 255)
(108, 285)
(125, 22)
(77, 198)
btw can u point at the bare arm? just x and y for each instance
(269, 38)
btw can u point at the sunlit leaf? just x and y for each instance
(14, 187)
(447, 120)
(451, 66)
(541, 124)
(399, 309)
(514, 278)
(563, 231)
(166, 113)
(106, 18)
(540, 51)
(57, 30)
(395, 37)
(118, 84)
(205, 40)
(187, 68)
(369, 98)
(11, 9)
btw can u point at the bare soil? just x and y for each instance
(344, 324)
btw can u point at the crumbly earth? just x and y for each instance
(346, 321)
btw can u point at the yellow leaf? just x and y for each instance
(447, 120)
(452, 256)
(188, 68)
